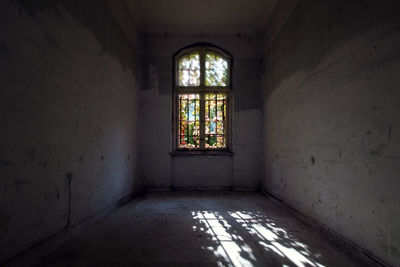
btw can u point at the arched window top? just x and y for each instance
(202, 66)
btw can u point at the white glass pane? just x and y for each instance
(216, 70)
(189, 70)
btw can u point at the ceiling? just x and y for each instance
(205, 16)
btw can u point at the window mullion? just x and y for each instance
(226, 113)
(202, 100)
(202, 120)
(202, 67)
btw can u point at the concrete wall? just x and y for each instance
(331, 119)
(159, 169)
(68, 104)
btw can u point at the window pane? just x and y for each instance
(215, 115)
(189, 70)
(189, 121)
(216, 70)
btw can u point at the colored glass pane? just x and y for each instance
(189, 124)
(215, 114)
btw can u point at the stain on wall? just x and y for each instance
(69, 79)
(111, 34)
(331, 117)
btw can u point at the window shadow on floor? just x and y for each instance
(242, 238)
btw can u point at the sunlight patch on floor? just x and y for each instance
(230, 247)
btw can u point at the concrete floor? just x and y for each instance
(202, 229)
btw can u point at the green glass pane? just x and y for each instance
(212, 141)
(220, 141)
(220, 127)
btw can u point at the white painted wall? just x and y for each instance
(68, 104)
(331, 119)
(159, 169)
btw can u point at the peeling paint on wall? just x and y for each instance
(70, 78)
(331, 106)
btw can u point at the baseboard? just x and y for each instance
(246, 189)
(157, 189)
(40, 249)
(366, 256)
(201, 188)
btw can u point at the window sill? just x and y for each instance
(183, 153)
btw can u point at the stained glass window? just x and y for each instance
(189, 120)
(215, 120)
(202, 99)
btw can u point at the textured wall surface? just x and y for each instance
(159, 169)
(331, 119)
(68, 104)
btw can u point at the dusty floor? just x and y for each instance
(202, 229)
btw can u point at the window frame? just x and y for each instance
(202, 89)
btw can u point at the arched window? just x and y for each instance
(202, 94)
